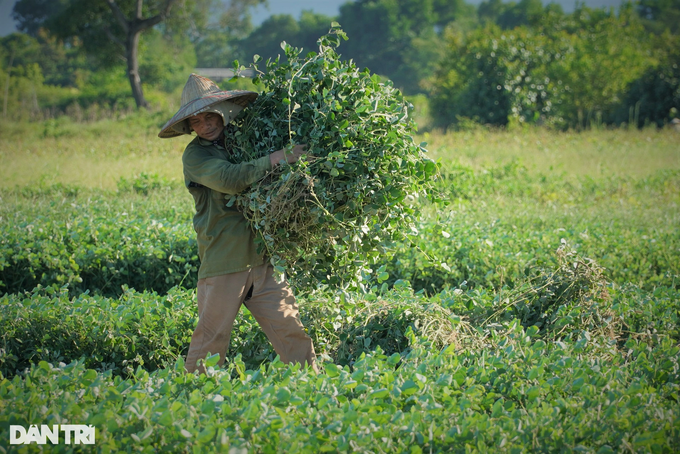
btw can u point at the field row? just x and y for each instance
(516, 394)
(562, 361)
(145, 329)
(499, 223)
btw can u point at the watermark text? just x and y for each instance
(77, 434)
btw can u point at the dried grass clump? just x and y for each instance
(564, 301)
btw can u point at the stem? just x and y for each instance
(290, 90)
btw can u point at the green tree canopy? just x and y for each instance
(572, 73)
(511, 14)
(266, 39)
(655, 96)
(399, 38)
(660, 15)
(110, 30)
(217, 40)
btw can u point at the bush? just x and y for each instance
(137, 329)
(497, 77)
(95, 242)
(150, 330)
(654, 98)
(569, 74)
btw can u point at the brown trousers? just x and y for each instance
(272, 304)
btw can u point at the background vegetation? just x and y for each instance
(496, 63)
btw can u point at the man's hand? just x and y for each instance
(280, 155)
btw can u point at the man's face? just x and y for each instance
(208, 125)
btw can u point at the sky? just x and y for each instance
(294, 8)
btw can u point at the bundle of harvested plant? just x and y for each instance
(324, 218)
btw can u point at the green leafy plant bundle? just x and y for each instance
(325, 217)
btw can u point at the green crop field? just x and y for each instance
(537, 309)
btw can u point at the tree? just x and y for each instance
(218, 42)
(526, 12)
(610, 52)
(498, 77)
(447, 11)
(489, 11)
(265, 41)
(660, 15)
(511, 15)
(21, 75)
(394, 38)
(121, 22)
(572, 72)
(655, 96)
(133, 26)
(110, 30)
(381, 33)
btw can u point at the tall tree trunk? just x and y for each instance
(9, 73)
(133, 28)
(131, 54)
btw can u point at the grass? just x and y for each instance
(94, 155)
(97, 155)
(594, 153)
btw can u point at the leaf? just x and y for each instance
(350, 384)
(283, 394)
(379, 393)
(394, 359)
(577, 384)
(166, 419)
(361, 387)
(212, 360)
(409, 387)
(497, 409)
(533, 392)
(533, 373)
(430, 168)
(331, 370)
(207, 434)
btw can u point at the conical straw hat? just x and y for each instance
(199, 95)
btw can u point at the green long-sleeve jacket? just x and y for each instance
(225, 239)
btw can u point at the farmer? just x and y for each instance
(231, 271)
